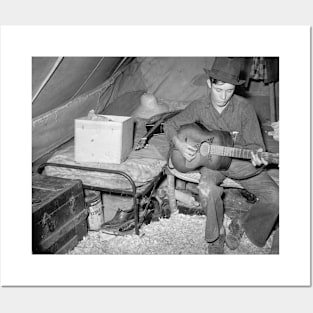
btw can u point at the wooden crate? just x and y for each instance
(104, 141)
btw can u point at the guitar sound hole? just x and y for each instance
(205, 149)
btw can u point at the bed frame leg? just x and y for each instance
(171, 191)
(136, 208)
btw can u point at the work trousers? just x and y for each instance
(259, 221)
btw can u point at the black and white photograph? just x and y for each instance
(155, 155)
(148, 156)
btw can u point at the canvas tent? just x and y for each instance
(65, 88)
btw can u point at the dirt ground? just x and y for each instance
(180, 234)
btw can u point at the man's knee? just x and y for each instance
(205, 171)
(271, 196)
(207, 189)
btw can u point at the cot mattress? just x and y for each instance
(142, 166)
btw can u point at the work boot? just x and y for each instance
(235, 233)
(217, 246)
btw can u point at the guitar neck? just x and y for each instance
(242, 153)
(162, 118)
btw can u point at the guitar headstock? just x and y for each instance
(141, 144)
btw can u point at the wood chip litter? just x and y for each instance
(180, 234)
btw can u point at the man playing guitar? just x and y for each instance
(222, 110)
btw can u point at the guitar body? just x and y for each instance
(195, 135)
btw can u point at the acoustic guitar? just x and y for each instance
(214, 150)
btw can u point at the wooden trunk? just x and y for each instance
(59, 216)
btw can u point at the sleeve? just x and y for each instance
(251, 131)
(189, 115)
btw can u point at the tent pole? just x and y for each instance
(84, 83)
(119, 65)
(55, 66)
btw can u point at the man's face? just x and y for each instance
(221, 93)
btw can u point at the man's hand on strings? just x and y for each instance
(256, 160)
(187, 151)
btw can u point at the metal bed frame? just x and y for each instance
(133, 193)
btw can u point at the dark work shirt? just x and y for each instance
(238, 116)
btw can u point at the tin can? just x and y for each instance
(95, 210)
